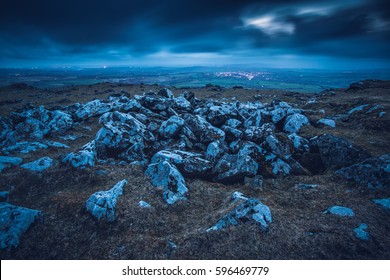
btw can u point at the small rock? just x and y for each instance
(327, 122)
(357, 109)
(361, 233)
(102, 204)
(306, 186)
(340, 211)
(39, 164)
(384, 202)
(86, 156)
(144, 204)
(14, 221)
(238, 195)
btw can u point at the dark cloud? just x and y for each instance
(44, 30)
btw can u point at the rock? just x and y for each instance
(102, 204)
(7, 162)
(361, 233)
(294, 123)
(357, 109)
(4, 196)
(155, 103)
(238, 195)
(39, 164)
(165, 92)
(14, 221)
(373, 173)
(384, 202)
(279, 144)
(234, 123)
(277, 115)
(86, 156)
(340, 211)
(327, 122)
(191, 164)
(337, 152)
(60, 121)
(24, 147)
(218, 115)
(171, 127)
(182, 104)
(144, 204)
(31, 128)
(251, 210)
(202, 129)
(301, 144)
(234, 168)
(232, 133)
(306, 186)
(215, 150)
(166, 176)
(91, 109)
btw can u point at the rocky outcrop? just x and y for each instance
(102, 204)
(15, 221)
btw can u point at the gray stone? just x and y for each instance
(327, 122)
(90, 109)
(166, 176)
(306, 186)
(166, 93)
(24, 147)
(144, 204)
(361, 233)
(102, 204)
(340, 211)
(171, 127)
(86, 156)
(373, 173)
(14, 221)
(357, 109)
(215, 150)
(251, 210)
(294, 123)
(39, 164)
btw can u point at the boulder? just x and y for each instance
(340, 211)
(294, 123)
(373, 173)
(202, 129)
(14, 221)
(218, 115)
(165, 175)
(191, 164)
(249, 210)
(171, 127)
(86, 156)
(39, 164)
(60, 121)
(234, 168)
(90, 109)
(279, 144)
(102, 204)
(337, 152)
(7, 162)
(165, 92)
(278, 114)
(215, 150)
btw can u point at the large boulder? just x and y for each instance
(14, 221)
(294, 123)
(90, 109)
(165, 175)
(234, 168)
(218, 115)
(191, 164)
(337, 152)
(249, 210)
(202, 129)
(373, 173)
(102, 204)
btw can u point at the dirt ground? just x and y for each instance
(300, 229)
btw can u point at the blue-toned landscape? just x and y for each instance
(166, 130)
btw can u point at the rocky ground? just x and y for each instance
(143, 172)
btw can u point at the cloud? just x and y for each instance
(270, 25)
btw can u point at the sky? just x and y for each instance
(271, 33)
